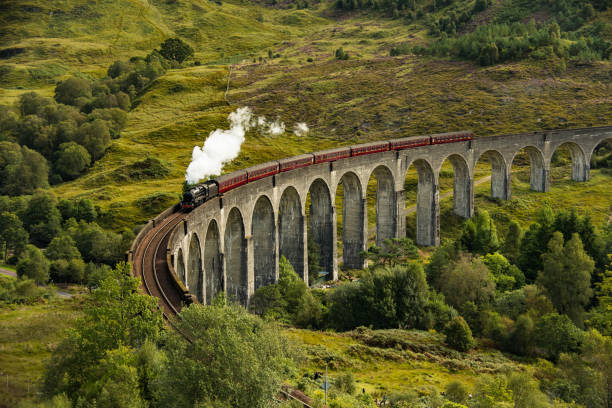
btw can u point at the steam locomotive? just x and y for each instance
(212, 188)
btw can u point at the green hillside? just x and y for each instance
(367, 97)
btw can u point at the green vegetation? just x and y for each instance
(104, 101)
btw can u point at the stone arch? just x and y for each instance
(500, 183)
(580, 166)
(386, 207)
(195, 274)
(597, 145)
(291, 229)
(213, 268)
(263, 231)
(180, 266)
(462, 186)
(321, 224)
(236, 257)
(353, 221)
(427, 211)
(539, 172)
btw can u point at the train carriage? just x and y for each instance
(296, 162)
(232, 180)
(452, 137)
(369, 148)
(409, 142)
(331, 155)
(262, 170)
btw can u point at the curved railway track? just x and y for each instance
(149, 263)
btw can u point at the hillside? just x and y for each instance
(367, 97)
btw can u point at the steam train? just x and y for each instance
(212, 188)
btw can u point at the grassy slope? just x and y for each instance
(371, 96)
(385, 370)
(27, 336)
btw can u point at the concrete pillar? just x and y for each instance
(291, 230)
(354, 222)
(334, 243)
(304, 229)
(213, 265)
(264, 243)
(428, 206)
(500, 177)
(321, 224)
(236, 258)
(195, 278)
(386, 208)
(463, 187)
(400, 203)
(250, 255)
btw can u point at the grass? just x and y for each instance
(28, 334)
(422, 359)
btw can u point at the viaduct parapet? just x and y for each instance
(233, 243)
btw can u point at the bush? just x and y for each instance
(459, 335)
(456, 392)
(71, 160)
(555, 334)
(33, 265)
(341, 55)
(176, 49)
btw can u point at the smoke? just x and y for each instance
(223, 145)
(220, 147)
(300, 129)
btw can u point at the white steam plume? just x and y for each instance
(300, 129)
(276, 128)
(220, 147)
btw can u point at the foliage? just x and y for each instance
(71, 160)
(600, 317)
(384, 298)
(33, 265)
(506, 276)
(176, 49)
(95, 363)
(22, 170)
(13, 236)
(566, 276)
(555, 334)
(459, 335)
(456, 392)
(392, 252)
(230, 351)
(479, 235)
(467, 280)
(512, 242)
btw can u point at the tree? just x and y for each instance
(506, 276)
(176, 49)
(491, 391)
(33, 264)
(71, 160)
(521, 339)
(512, 242)
(600, 317)
(566, 276)
(62, 247)
(117, 316)
(42, 218)
(459, 335)
(534, 242)
(117, 69)
(439, 261)
(21, 170)
(489, 54)
(479, 236)
(12, 234)
(392, 252)
(467, 280)
(69, 91)
(555, 334)
(526, 392)
(95, 137)
(230, 352)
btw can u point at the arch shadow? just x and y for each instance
(263, 231)
(213, 268)
(236, 258)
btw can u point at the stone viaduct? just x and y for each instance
(234, 242)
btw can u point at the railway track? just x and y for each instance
(149, 263)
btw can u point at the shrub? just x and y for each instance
(459, 335)
(176, 49)
(456, 392)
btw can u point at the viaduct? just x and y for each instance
(233, 243)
